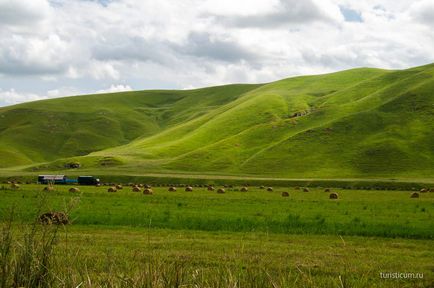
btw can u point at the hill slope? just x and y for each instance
(356, 123)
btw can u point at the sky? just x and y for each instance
(54, 48)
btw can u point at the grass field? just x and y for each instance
(237, 239)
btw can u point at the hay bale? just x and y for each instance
(423, 190)
(270, 189)
(57, 218)
(74, 190)
(210, 188)
(148, 191)
(327, 190)
(188, 189)
(262, 187)
(333, 195)
(285, 194)
(119, 187)
(136, 189)
(147, 186)
(244, 189)
(305, 189)
(15, 186)
(112, 189)
(431, 190)
(172, 189)
(221, 191)
(48, 188)
(414, 195)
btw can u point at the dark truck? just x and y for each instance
(87, 180)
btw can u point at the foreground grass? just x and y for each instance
(92, 256)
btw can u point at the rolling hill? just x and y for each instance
(356, 123)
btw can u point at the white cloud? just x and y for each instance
(10, 97)
(115, 88)
(85, 45)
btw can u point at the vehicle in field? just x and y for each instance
(87, 180)
(62, 179)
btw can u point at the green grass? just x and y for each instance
(360, 123)
(361, 213)
(243, 239)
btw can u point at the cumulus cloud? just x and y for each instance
(285, 12)
(115, 88)
(10, 97)
(85, 45)
(22, 12)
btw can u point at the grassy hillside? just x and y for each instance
(47, 130)
(356, 123)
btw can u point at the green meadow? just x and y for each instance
(237, 239)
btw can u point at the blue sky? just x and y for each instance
(61, 48)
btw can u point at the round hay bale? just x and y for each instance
(431, 190)
(305, 189)
(112, 189)
(221, 191)
(136, 189)
(270, 189)
(57, 218)
(261, 187)
(15, 186)
(148, 191)
(74, 190)
(285, 194)
(48, 188)
(327, 190)
(414, 195)
(188, 189)
(172, 189)
(423, 190)
(147, 186)
(210, 188)
(119, 187)
(333, 195)
(244, 189)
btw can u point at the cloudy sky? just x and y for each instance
(53, 48)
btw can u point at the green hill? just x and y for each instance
(356, 123)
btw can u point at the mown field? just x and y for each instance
(236, 239)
